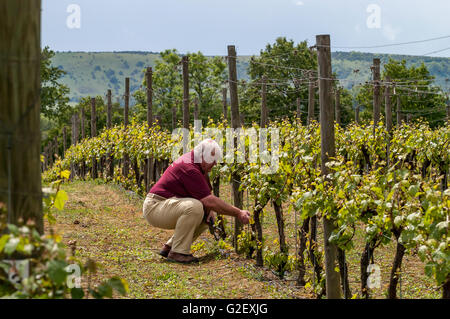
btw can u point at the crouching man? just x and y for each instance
(182, 200)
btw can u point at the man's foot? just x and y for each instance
(181, 258)
(165, 250)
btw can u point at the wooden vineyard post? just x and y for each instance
(55, 147)
(109, 157)
(186, 116)
(185, 62)
(44, 164)
(82, 123)
(83, 164)
(236, 125)
(376, 93)
(196, 109)
(264, 112)
(149, 167)
(388, 108)
(333, 290)
(76, 129)
(311, 97)
(174, 118)
(388, 114)
(357, 120)
(76, 140)
(50, 155)
(94, 171)
(337, 106)
(448, 110)
(64, 141)
(72, 142)
(224, 103)
(298, 113)
(127, 102)
(108, 110)
(399, 111)
(149, 81)
(126, 158)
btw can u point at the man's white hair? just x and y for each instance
(208, 150)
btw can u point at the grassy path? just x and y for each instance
(106, 223)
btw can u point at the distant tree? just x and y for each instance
(285, 65)
(206, 76)
(54, 95)
(347, 111)
(415, 88)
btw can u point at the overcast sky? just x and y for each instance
(210, 25)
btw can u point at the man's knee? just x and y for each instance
(194, 207)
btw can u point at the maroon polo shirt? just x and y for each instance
(183, 178)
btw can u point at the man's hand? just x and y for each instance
(244, 216)
(211, 217)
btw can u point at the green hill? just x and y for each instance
(345, 63)
(93, 73)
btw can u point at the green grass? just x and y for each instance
(107, 224)
(107, 227)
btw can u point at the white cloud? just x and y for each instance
(299, 3)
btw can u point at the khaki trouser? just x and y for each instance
(185, 215)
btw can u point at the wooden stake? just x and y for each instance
(82, 123)
(298, 112)
(149, 161)
(399, 112)
(376, 92)
(333, 290)
(126, 158)
(109, 111)
(64, 141)
(448, 110)
(195, 108)
(264, 111)
(93, 119)
(55, 146)
(127, 101)
(235, 123)
(94, 171)
(388, 108)
(357, 120)
(149, 80)
(185, 62)
(337, 106)
(174, 118)
(76, 129)
(311, 97)
(232, 81)
(224, 102)
(20, 136)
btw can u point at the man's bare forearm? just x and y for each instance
(219, 206)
